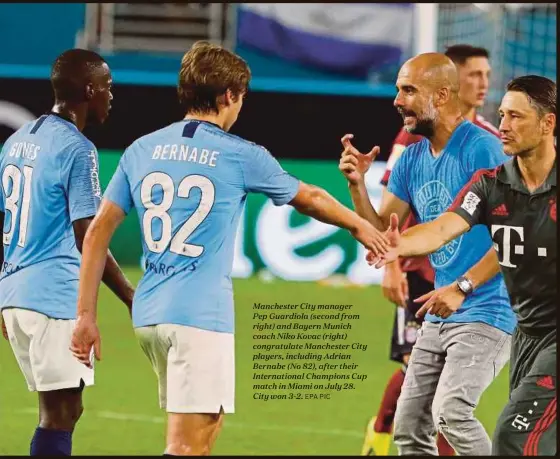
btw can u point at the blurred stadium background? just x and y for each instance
(319, 71)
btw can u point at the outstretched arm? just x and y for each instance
(420, 239)
(263, 174)
(428, 237)
(468, 209)
(320, 205)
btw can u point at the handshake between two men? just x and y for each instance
(393, 211)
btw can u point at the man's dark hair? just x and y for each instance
(71, 71)
(460, 53)
(540, 90)
(207, 72)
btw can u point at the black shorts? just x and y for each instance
(527, 425)
(405, 324)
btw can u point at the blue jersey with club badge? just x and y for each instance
(189, 182)
(49, 173)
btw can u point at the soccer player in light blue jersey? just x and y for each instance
(49, 195)
(189, 182)
(455, 358)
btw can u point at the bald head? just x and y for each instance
(428, 87)
(435, 70)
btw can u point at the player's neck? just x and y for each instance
(536, 165)
(469, 113)
(76, 114)
(219, 119)
(443, 131)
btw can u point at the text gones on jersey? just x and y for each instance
(26, 150)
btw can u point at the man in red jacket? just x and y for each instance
(414, 277)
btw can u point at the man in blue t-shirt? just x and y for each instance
(49, 195)
(455, 358)
(189, 183)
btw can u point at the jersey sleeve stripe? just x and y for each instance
(385, 179)
(476, 177)
(544, 422)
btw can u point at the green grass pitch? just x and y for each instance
(122, 416)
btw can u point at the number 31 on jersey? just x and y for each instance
(15, 201)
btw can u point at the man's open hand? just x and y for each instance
(393, 236)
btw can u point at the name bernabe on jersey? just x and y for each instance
(186, 153)
(26, 150)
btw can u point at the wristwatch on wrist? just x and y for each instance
(465, 285)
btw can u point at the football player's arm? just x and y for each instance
(84, 194)
(263, 174)
(114, 206)
(113, 277)
(94, 257)
(319, 204)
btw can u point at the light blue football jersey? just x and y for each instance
(430, 186)
(49, 173)
(189, 182)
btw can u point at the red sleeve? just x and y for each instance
(405, 139)
(486, 125)
(385, 179)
